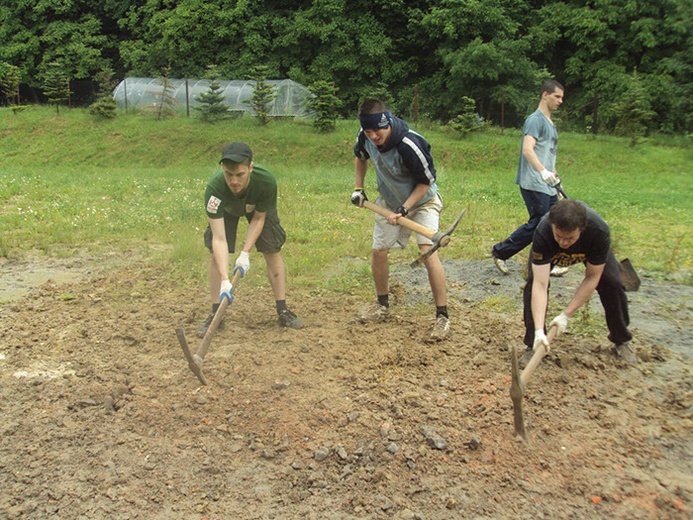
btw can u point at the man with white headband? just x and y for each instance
(406, 180)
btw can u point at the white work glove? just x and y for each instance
(561, 323)
(226, 291)
(549, 177)
(540, 339)
(243, 263)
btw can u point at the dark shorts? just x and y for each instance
(270, 240)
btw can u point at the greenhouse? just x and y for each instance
(140, 93)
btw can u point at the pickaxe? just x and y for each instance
(439, 239)
(519, 381)
(195, 360)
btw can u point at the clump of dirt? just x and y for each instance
(103, 419)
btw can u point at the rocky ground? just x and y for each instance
(101, 417)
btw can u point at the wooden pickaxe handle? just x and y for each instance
(403, 221)
(537, 357)
(204, 345)
(519, 381)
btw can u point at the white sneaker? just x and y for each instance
(373, 313)
(441, 328)
(500, 265)
(559, 271)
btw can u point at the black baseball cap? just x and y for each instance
(237, 152)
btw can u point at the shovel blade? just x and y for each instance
(630, 279)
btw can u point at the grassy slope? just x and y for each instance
(70, 180)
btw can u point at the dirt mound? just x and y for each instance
(103, 419)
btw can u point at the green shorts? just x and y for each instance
(270, 240)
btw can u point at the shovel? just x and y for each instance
(195, 360)
(630, 279)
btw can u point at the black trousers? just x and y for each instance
(612, 294)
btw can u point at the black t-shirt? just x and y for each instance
(592, 246)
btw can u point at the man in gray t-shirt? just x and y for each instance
(536, 172)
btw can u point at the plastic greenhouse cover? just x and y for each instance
(291, 100)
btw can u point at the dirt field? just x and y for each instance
(101, 417)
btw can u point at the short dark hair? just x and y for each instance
(568, 215)
(550, 86)
(371, 106)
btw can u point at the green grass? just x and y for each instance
(69, 182)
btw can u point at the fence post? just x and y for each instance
(187, 99)
(595, 113)
(502, 109)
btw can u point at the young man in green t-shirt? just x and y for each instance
(241, 188)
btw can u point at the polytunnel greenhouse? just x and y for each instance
(291, 98)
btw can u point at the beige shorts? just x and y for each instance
(386, 236)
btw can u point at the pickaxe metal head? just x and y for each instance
(439, 240)
(195, 365)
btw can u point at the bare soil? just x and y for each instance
(101, 417)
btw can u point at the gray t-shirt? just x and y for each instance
(539, 127)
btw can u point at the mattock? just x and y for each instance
(195, 360)
(439, 239)
(520, 380)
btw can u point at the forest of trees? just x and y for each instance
(425, 56)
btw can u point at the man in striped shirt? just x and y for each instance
(406, 180)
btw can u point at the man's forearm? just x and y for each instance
(221, 257)
(254, 230)
(360, 168)
(582, 294)
(413, 199)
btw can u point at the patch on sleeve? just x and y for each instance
(537, 256)
(213, 204)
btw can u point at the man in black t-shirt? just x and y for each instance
(573, 233)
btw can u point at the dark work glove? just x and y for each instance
(358, 197)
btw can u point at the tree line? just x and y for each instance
(425, 57)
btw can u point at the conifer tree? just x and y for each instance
(105, 106)
(326, 105)
(633, 110)
(165, 101)
(56, 85)
(10, 84)
(263, 94)
(212, 106)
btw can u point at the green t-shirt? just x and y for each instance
(261, 195)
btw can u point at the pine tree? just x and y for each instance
(105, 106)
(468, 120)
(165, 101)
(56, 85)
(263, 94)
(633, 110)
(326, 105)
(10, 84)
(212, 108)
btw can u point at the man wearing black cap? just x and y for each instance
(240, 188)
(407, 187)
